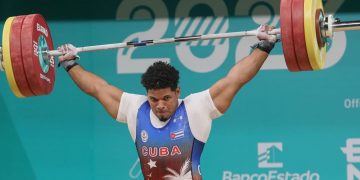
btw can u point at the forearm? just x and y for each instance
(109, 96)
(246, 68)
(243, 72)
(224, 90)
(86, 81)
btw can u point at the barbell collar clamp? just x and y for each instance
(327, 28)
(331, 25)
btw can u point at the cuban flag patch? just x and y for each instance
(177, 134)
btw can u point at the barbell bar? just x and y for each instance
(338, 26)
(163, 41)
(27, 54)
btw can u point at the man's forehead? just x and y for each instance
(160, 92)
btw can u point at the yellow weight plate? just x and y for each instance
(316, 54)
(7, 59)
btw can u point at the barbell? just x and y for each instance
(27, 54)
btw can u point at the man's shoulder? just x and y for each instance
(197, 96)
(132, 98)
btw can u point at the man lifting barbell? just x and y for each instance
(169, 133)
(160, 124)
(27, 54)
(29, 63)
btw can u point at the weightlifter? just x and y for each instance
(169, 133)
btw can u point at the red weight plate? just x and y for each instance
(16, 57)
(35, 38)
(287, 35)
(299, 35)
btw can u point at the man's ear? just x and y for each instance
(177, 91)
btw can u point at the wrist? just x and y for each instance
(265, 46)
(67, 65)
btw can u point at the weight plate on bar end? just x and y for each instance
(316, 53)
(299, 35)
(16, 57)
(287, 35)
(36, 38)
(7, 58)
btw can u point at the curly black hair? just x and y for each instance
(160, 75)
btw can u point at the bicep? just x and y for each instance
(222, 93)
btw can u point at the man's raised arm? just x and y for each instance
(108, 95)
(224, 90)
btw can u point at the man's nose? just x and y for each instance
(161, 105)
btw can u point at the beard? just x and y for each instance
(163, 119)
(163, 116)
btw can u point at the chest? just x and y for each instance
(174, 139)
